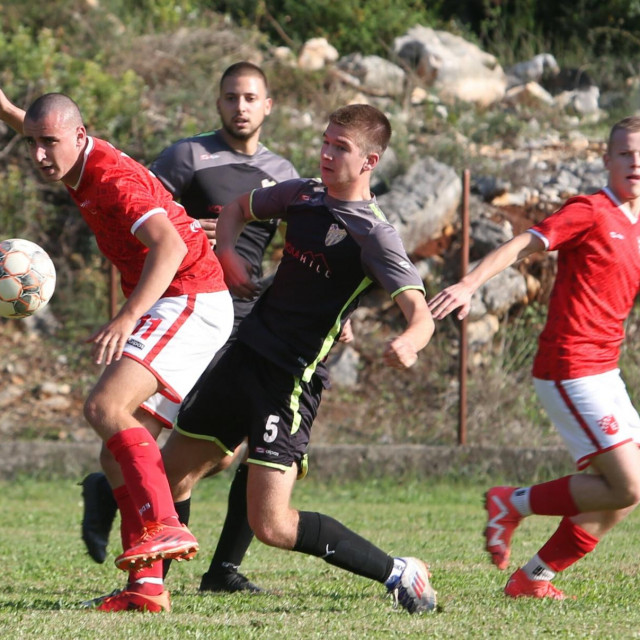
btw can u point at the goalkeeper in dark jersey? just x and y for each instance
(206, 172)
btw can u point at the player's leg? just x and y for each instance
(223, 574)
(123, 386)
(596, 419)
(99, 505)
(276, 523)
(601, 429)
(577, 535)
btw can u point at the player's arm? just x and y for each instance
(237, 270)
(166, 253)
(11, 114)
(402, 352)
(459, 295)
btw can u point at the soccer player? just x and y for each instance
(575, 371)
(337, 245)
(204, 173)
(177, 313)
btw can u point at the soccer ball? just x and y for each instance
(27, 278)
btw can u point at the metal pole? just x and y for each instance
(464, 266)
(113, 291)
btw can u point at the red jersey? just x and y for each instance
(116, 195)
(598, 244)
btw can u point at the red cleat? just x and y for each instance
(519, 586)
(502, 520)
(158, 541)
(132, 601)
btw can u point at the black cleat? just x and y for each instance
(228, 580)
(99, 512)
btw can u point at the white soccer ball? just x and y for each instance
(27, 278)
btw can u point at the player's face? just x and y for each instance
(342, 163)
(623, 163)
(56, 147)
(243, 105)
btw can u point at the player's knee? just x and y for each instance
(271, 532)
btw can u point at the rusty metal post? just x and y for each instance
(113, 291)
(464, 266)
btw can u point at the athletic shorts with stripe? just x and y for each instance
(593, 414)
(176, 339)
(246, 395)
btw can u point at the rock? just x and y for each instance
(456, 68)
(423, 201)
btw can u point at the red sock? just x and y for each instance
(147, 580)
(567, 545)
(553, 498)
(130, 530)
(130, 520)
(140, 461)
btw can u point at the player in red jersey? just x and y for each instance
(575, 371)
(177, 314)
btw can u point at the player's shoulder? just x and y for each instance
(274, 164)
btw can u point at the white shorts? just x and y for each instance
(176, 340)
(592, 414)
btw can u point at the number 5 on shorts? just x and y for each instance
(271, 429)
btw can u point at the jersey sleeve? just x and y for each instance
(568, 226)
(174, 168)
(271, 202)
(385, 260)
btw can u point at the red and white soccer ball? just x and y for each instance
(27, 278)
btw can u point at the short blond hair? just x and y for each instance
(630, 123)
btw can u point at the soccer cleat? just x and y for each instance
(502, 520)
(227, 580)
(158, 541)
(99, 512)
(519, 586)
(412, 589)
(132, 601)
(94, 602)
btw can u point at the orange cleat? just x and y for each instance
(132, 601)
(520, 586)
(158, 541)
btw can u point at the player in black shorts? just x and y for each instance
(204, 173)
(265, 387)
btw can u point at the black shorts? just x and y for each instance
(246, 395)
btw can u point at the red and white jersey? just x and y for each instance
(116, 195)
(598, 244)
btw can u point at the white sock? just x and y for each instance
(535, 569)
(398, 567)
(520, 501)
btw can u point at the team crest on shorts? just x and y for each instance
(334, 235)
(609, 425)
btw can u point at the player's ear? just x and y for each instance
(371, 162)
(81, 135)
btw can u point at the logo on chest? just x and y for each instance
(334, 235)
(316, 262)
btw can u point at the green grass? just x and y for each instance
(46, 573)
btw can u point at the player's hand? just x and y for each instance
(237, 275)
(346, 335)
(110, 339)
(400, 354)
(449, 299)
(209, 226)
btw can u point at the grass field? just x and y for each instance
(46, 573)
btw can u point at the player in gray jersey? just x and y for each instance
(205, 172)
(338, 244)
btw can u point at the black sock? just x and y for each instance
(326, 538)
(236, 534)
(108, 504)
(183, 509)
